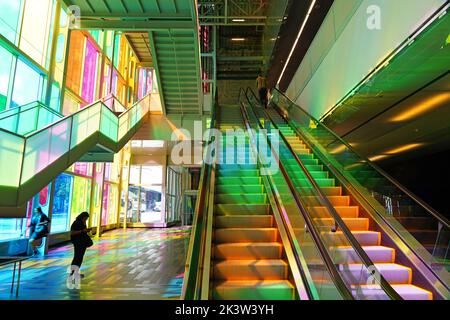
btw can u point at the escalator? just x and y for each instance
(247, 251)
(37, 143)
(414, 262)
(255, 236)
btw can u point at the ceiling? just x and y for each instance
(288, 31)
(141, 46)
(404, 105)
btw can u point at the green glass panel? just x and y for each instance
(11, 150)
(9, 19)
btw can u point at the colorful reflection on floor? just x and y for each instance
(135, 264)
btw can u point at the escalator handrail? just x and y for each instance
(409, 242)
(331, 267)
(303, 278)
(385, 285)
(192, 285)
(414, 197)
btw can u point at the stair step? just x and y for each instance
(320, 182)
(237, 167)
(298, 172)
(339, 201)
(234, 235)
(251, 221)
(239, 209)
(253, 290)
(241, 198)
(392, 272)
(354, 224)
(244, 188)
(378, 254)
(406, 291)
(344, 212)
(238, 180)
(265, 269)
(365, 238)
(313, 167)
(293, 161)
(247, 251)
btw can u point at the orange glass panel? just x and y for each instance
(75, 61)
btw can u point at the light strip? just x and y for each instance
(296, 40)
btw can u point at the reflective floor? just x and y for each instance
(134, 264)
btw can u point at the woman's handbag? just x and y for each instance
(87, 241)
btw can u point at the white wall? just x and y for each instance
(345, 50)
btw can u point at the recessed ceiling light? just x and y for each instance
(237, 39)
(238, 20)
(302, 28)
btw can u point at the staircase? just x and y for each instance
(399, 276)
(248, 255)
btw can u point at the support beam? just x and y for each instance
(120, 25)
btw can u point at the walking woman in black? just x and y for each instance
(81, 241)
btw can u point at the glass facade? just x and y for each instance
(90, 66)
(145, 195)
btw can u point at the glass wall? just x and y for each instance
(61, 203)
(6, 59)
(87, 68)
(145, 197)
(10, 13)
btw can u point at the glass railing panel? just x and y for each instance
(11, 152)
(109, 123)
(123, 125)
(46, 116)
(28, 118)
(22, 120)
(314, 268)
(44, 147)
(413, 220)
(85, 123)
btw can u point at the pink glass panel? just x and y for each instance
(114, 84)
(105, 205)
(43, 196)
(90, 67)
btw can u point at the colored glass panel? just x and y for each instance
(105, 204)
(61, 203)
(28, 85)
(11, 228)
(89, 74)
(80, 197)
(6, 59)
(36, 29)
(9, 19)
(75, 61)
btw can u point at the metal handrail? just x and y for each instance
(303, 277)
(331, 267)
(414, 197)
(370, 206)
(337, 218)
(192, 283)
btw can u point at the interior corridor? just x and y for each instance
(132, 264)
